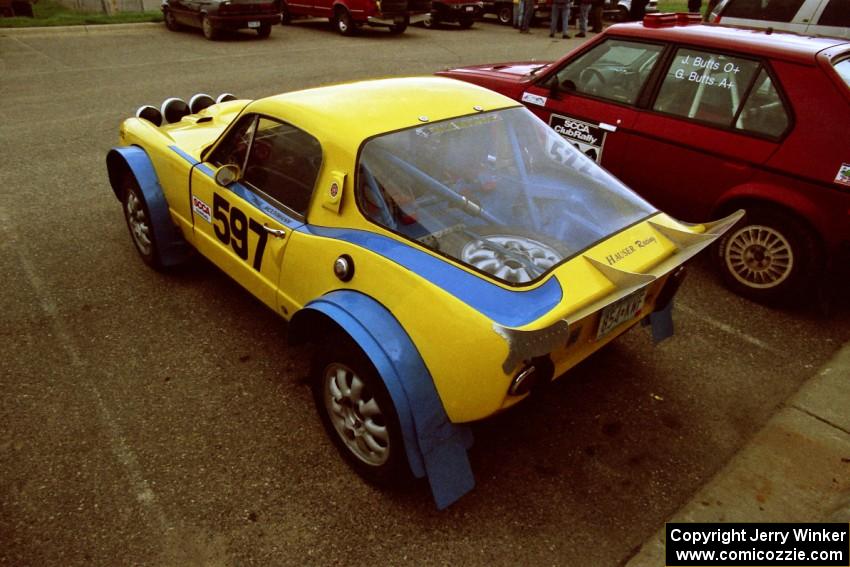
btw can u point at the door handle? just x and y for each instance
(277, 233)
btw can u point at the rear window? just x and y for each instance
(836, 13)
(770, 10)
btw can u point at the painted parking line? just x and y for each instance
(728, 329)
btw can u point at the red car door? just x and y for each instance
(714, 119)
(590, 99)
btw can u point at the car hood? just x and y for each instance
(517, 72)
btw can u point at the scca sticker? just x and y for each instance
(202, 209)
(588, 138)
(843, 176)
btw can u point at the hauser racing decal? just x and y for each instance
(843, 176)
(588, 138)
(202, 209)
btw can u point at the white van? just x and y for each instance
(811, 17)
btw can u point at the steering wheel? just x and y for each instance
(591, 80)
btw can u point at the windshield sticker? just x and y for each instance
(201, 208)
(534, 99)
(843, 176)
(586, 137)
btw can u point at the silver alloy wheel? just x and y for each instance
(342, 23)
(507, 257)
(207, 28)
(138, 221)
(759, 256)
(355, 414)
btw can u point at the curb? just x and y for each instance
(796, 469)
(83, 28)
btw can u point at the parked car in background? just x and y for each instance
(215, 16)
(463, 12)
(347, 16)
(702, 119)
(811, 17)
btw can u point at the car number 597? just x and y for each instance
(233, 230)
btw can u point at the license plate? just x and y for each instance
(253, 24)
(620, 311)
(469, 8)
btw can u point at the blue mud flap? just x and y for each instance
(171, 247)
(435, 447)
(661, 323)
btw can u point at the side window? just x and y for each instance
(707, 87)
(836, 13)
(613, 70)
(842, 67)
(234, 148)
(763, 112)
(771, 10)
(284, 163)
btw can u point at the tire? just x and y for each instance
(210, 32)
(466, 22)
(285, 16)
(769, 255)
(622, 14)
(396, 29)
(264, 31)
(171, 21)
(431, 22)
(138, 219)
(343, 22)
(358, 413)
(505, 14)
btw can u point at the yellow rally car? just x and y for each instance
(445, 249)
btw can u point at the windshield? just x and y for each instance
(500, 192)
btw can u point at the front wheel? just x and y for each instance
(358, 414)
(210, 32)
(138, 219)
(430, 21)
(466, 22)
(285, 15)
(769, 255)
(506, 15)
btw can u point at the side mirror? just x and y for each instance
(227, 174)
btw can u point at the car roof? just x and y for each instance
(351, 112)
(761, 42)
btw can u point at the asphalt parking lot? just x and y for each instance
(151, 419)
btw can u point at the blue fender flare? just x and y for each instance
(171, 247)
(435, 447)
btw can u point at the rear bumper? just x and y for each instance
(240, 21)
(455, 11)
(395, 19)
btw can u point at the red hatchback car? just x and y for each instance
(703, 120)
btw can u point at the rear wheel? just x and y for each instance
(170, 20)
(430, 21)
(264, 30)
(505, 15)
(210, 31)
(466, 22)
(358, 413)
(285, 16)
(769, 255)
(343, 22)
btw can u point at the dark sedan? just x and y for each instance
(214, 16)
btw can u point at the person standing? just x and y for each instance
(527, 13)
(597, 7)
(560, 10)
(583, 12)
(637, 10)
(517, 13)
